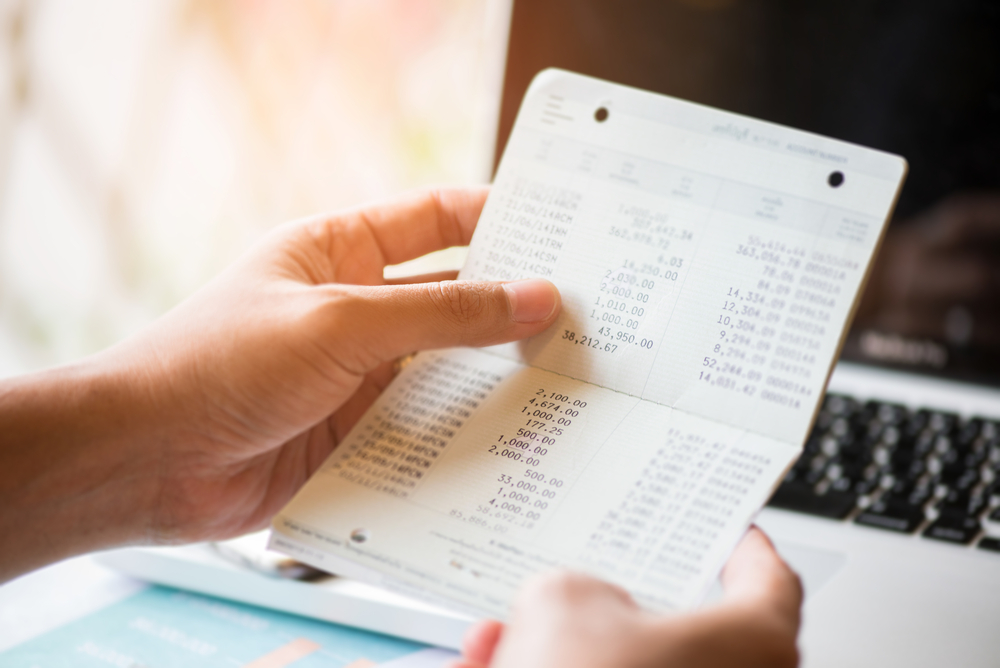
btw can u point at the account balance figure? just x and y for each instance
(205, 424)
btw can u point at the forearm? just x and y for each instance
(74, 467)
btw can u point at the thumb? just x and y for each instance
(399, 319)
(755, 624)
(757, 575)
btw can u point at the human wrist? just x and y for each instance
(76, 469)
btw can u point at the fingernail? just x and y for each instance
(531, 300)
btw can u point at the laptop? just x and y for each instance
(891, 514)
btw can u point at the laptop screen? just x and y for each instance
(920, 78)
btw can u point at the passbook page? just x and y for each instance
(706, 260)
(708, 265)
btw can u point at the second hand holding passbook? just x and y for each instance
(708, 264)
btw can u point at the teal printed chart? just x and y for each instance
(161, 627)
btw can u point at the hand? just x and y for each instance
(566, 619)
(937, 276)
(204, 425)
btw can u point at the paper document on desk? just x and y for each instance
(708, 263)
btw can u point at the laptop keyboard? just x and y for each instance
(884, 466)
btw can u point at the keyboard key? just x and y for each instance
(891, 413)
(867, 485)
(942, 423)
(852, 469)
(919, 495)
(977, 504)
(802, 498)
(957, 498)
(841, 485)
(855, 452)
(893, 513)
(917, 422)
(992, 524)
(815, 474)
(975, 458)
(969, 431)
(968, 480)
(902, 459)
(991, 544)
(913, 471)
(954, 528)
(925, 443)
(838, 404)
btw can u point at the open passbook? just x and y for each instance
(708, 263)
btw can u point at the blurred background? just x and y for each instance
(145, 145)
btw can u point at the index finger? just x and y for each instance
(964, 220)
(421, 222)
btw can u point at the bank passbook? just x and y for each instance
(709, 265)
